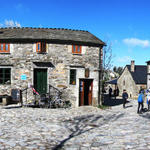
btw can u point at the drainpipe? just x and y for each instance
(100, 75)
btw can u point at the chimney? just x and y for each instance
(132, 66)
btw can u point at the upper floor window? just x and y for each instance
(76, 49)
(5, 75)
(41, 47)
(4, 47)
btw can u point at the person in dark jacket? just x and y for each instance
(124, 97)
(110, 91)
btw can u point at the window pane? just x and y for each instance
(43, 47)
(7, 76)
(73, 76)
(2, 46)
(7, 81)
(1, 71)
(74, 48)
(1, 81)
(6, 47)
(1, 75)
(7, 70)
(78, 49)
(38, 46)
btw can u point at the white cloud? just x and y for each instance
(40, 26)
(1, 25)
(124, 59)
(19, 6)
(137, 42)
(11, 23)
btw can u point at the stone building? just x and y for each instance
(133, 78)
(148, 74)
(66, 59)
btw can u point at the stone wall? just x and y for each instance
(21, 59)
(126, 81)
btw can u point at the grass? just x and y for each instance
(103, 107)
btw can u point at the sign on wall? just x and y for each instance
(23, 77)
(87, 72)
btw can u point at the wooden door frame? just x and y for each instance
(81, 95)
(46, 75)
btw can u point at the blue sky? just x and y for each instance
(124, 23)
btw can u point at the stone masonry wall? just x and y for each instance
(21, 59)
(130, 85)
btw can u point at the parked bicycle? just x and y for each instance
(44, 101)
(54, 101)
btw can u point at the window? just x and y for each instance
(40, 47)
(4, 47)
(76, 49)
(73, 76)
(5, 75)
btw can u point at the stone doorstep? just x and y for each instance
(4, 101)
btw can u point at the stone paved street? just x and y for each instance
(83, 128)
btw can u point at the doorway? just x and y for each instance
(40, 80)
(85, 91)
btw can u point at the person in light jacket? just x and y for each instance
(140, 101)
(148, 99)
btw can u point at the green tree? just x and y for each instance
(118, 70)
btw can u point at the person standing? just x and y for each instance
(117, 91)
(110, 91)
(124, 97)
(140, 101)
(148, 99)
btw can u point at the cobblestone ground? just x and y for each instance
(83, 128)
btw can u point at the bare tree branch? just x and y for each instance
(107, 58)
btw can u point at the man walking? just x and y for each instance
(124, 97)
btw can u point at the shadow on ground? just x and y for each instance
(112, 101)
(85, 123)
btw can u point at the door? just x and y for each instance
(85, 92)
(81, 93)
(40, 80)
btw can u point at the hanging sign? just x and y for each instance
(87, 72)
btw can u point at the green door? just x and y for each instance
(40, 80)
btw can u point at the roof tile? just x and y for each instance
(53, 34)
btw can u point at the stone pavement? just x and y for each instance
(83, 128)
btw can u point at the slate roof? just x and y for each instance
(43, 64)
(114, 81)
(140, 74)
(50, 35)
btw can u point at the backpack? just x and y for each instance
(140, 98)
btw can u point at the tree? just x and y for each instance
(107, 60)
(118, 70)
(105, 65)
(107, 57)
